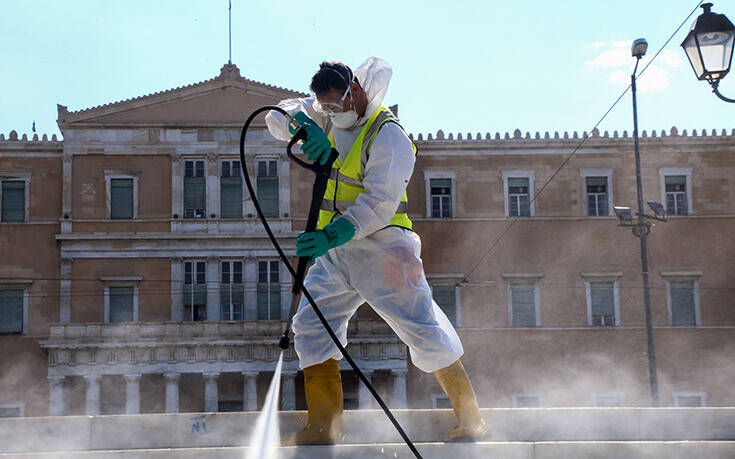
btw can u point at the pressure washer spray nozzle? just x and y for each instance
(284, 342)
(293, 123)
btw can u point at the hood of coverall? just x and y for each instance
(374, 76)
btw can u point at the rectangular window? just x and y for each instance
(121, 304)
(608, 400)
(523, 305)
(195, 290)
(10, 411)
(268, 187)
(597, 196)
(602, 299)
(269, 291)
(441, 197)
(445, 297)
(526, 401)
(13, 203)
(195, 189)
(676, 195)
(232, 291)
(518, 197)
(230, 190)
(683, 308)
(440, 402)
(121, 198)
(11, 312)
(687, 400)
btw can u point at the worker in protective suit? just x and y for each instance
(364, 248)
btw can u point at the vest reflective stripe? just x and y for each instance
(345, 180)
(341, 206)
(335, 174)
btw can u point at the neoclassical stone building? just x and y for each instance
(135, 277)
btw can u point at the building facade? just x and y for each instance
(137, 279)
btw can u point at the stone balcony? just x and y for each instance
(209, 348)
(113, 348)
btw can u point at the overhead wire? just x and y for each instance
(586, 136)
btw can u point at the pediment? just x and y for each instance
(227, 99)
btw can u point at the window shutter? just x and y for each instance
(121, 304)
(523, 306)
(603, 302)
(231, 197)
(268, 195)
(275, 302)
(13, 203)
(262, 301)
(682, 303)
(121, 198)
(444, 296)
(194, 197)
(11, 311)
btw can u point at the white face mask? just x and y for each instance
(344, 120)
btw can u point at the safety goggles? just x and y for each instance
(332, 106)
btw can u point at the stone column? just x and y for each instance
(398, 389)
(65, 291)
(172, 392)
(288, 391)
(286, 286)
(364, 397)
(132, 394)
(93, 395)
(250, 275)
(56, 395)
(211, 399)
(177, 289)
(213, 279)
(66, 192)
(250, 391)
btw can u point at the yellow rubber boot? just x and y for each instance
(323, 387)
(455, 383)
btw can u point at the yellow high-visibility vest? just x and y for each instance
(345, 180)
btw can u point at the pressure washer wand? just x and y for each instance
(321, 178)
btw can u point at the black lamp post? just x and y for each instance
(642, 227)
(709, 48)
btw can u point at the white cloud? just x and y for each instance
(597, 44)
(656, 78)
(617, 77)
(614, 57)
(670, 59)
(610, 58)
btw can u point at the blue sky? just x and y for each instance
(460, 66)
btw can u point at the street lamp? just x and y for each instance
(642, 227)
(709, 47)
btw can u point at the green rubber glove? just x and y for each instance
(316, 146)
(317, 243)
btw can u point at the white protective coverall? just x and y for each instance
(379, 265)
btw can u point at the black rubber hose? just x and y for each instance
(304, 291)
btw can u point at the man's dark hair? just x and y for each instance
(331, 75)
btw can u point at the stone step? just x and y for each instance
(505, 450)
(192, 430)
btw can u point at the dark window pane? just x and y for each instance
(194, 197)
(121, 304)
(225, 169)
(11, 311)
(231, 197)
(603, 303)
(121, 198)
(523, 306)
(268, 195)
(682, 304)
(444, 296)
(13, 202)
